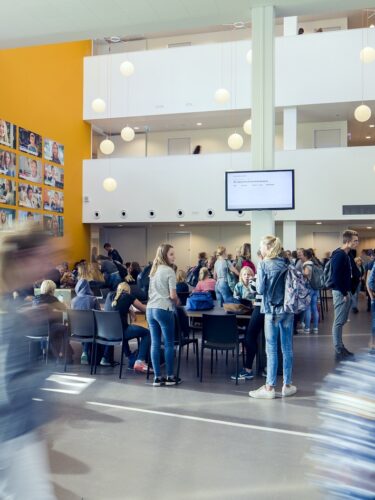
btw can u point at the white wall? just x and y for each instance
(310, 69)
(325, 180)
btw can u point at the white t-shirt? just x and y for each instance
(161, 284)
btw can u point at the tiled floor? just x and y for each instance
(128, 440)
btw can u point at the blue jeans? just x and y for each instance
(312, 311)
(280, 324)
(223, 293)
(341, 314)
(373, 319)
(355, 297)
(161, 322)
(134, 332)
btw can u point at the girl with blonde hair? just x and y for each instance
(205, 283)
(160, 312)
(242, 289)
(277, 322)
(121, 301)
(221, 274)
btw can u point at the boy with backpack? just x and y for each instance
(313, 272)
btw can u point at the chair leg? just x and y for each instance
(187, 351)
(94, 361)
(179, 360)
(122, 359)
(212, 360)
(202, 347)
(65, 343)
(243, 353)
(237, 361)
(148, 364)
(226, 358)
(195, 343)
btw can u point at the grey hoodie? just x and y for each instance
(85, 299)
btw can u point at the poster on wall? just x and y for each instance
(7, 191)
(28, 217)
(30, 142)
(53, 176)
(54, 225)
(7, 218)
(54, 151)
(53, 200)
(7, 134)
(30, 169)
(8, 163)
(29, 196)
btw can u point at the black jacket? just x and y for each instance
(345, 273)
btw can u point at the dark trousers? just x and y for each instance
(254, 328)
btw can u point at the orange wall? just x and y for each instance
(41, 89)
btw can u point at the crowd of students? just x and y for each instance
(155, 292)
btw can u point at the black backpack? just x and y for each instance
(327, 275)
(143, 279)
(192, 276)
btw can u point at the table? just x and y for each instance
(216, 311)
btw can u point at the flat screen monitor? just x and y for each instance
(259, 190)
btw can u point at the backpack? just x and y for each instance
(200, 301)
(232, 278)
(316, 280)
(192, 276)
(297, 291)
(327, 275)
(143, 279)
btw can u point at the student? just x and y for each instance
(181, 285)
(112, 253)
(110, 272)
(371, 291)
(359, 263)
(244, 258)
(277, 322)
(345, 278)
(242, 289)
(312, 311)
(160, 312)
(121, 301)
(205, 283)
(221, 270)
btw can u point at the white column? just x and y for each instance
(263, 111)
(290, 128)
(290, 26)
(290, 235)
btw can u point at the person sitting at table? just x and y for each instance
(242, 290)
(57, 330)
(253, 330)
(205, 283)
(84, 301)
(121, 300)
(222, 269)
(181, 285)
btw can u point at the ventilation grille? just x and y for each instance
(358, 209)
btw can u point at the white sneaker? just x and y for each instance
(315, 330)
(306, 331)
(288, 391)
(104, 362)
(263, 393)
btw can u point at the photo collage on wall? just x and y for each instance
(32, 179)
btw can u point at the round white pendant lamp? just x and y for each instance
(367, 55)
(127, 68)
(110, 184)
(107, 147)
(98, 105)
(247, 127)
(362, 113)
(249, 56)
(127, 134)
(235, 141)
(222, 96)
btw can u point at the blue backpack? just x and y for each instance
(200, 301)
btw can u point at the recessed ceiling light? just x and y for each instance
(182, 225)
(369, 227)
(199, 124)
(136, 128)
(319, 223)
(368, 136)
(247, 224)
(372, 25)
(372, 125)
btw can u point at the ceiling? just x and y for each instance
(33, 22)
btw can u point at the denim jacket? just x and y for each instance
(267, 273)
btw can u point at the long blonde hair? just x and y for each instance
(161, 258)
(203, 273)
(180, 276)
(274, 247)
(121, 288)
(220, 251)
(5, 137)
(84, 272)
(242, 272)
(94, 271)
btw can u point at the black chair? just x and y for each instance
(219, 332)
(104, 292)
(183, 296)
(109, 332)
(213, 294)
(81, 328)
(41, 335)
(182, 337)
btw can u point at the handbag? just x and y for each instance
(236, 308)
(200, 301)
